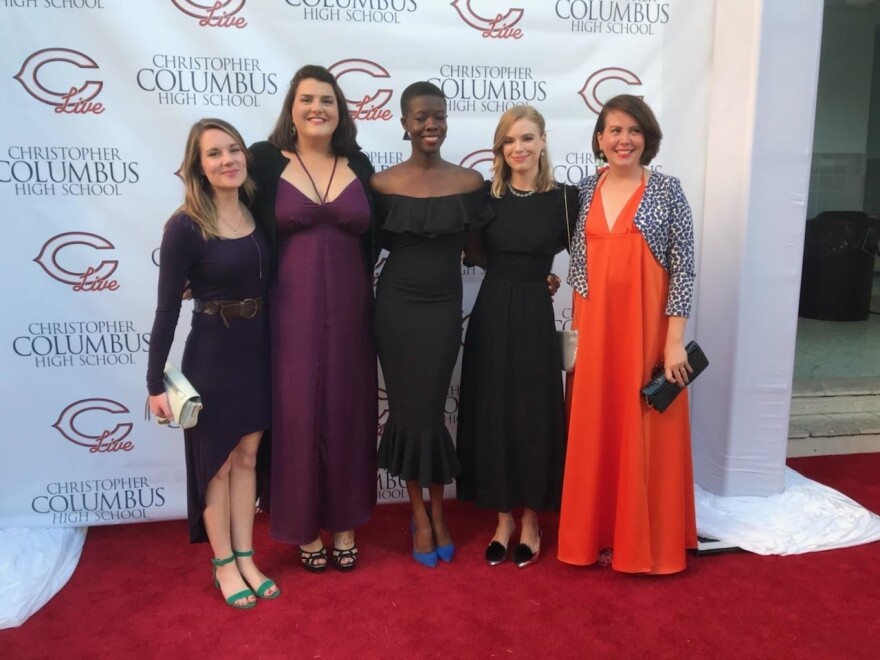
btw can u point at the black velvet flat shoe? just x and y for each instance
(496, 554)
(523, 555)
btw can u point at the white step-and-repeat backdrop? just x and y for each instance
(96, 98)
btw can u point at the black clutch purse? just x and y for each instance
(659, 393)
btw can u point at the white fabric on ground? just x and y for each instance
(34, 565)
(805, 517)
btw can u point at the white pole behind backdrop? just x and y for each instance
(765, 72)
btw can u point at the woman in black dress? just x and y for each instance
(511, 423)
(212, 242)
(427, 205)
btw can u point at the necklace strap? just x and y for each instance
(237, 227)
(567, 225)
(322, 199)
(517, 193)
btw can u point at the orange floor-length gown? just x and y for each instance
(628, 482)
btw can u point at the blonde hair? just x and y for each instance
(544, 181)
(198, 195)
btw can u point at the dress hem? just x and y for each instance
(288, 540)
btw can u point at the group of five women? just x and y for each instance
(277, 244)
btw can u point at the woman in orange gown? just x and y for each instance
(628, 487)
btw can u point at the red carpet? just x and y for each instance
(141, 591)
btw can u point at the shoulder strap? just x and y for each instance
(567, 227)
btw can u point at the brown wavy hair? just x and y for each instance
(198, 194)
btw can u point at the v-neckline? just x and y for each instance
(611, 226)
(327, 203)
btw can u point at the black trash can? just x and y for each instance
(838, 268)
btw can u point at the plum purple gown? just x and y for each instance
(324, 374)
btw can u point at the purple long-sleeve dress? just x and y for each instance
(324, 373)
(228, 366)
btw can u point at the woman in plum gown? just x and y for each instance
(314, 201)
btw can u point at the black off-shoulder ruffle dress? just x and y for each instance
(417, 325)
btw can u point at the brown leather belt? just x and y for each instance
(230, 309)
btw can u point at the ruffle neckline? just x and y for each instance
(433, 216)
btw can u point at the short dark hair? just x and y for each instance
(644, 116)
(344, 140)
(421, 88)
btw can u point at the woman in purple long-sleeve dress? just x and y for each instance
(213, 243)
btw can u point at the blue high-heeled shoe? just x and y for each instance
(428, 559)
(445, 552)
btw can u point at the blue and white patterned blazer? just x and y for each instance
(664, 219)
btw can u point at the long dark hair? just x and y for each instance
(344, 140)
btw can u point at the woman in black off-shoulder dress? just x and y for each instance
(427, 205)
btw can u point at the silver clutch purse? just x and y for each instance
(185, 402)
(568, 341)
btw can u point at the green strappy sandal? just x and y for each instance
(268, 584)
(244, 593)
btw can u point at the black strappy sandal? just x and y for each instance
(310, 560)
(340, 555)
